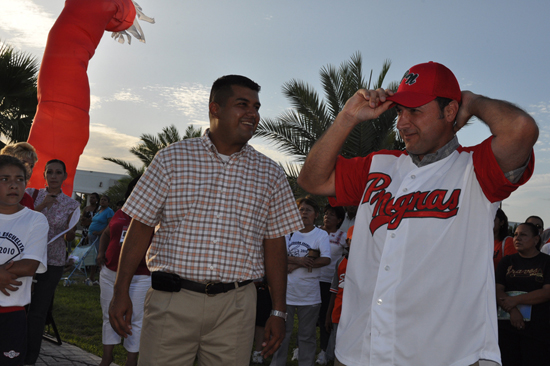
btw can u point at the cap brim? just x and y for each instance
(410, 99)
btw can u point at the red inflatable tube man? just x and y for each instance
(61, 126)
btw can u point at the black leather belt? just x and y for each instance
(171, 282)
(211, 288)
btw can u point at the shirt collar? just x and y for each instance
(210, 145)
(440, 154)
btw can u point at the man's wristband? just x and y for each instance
(278, 313)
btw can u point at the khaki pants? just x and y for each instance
(181, 326)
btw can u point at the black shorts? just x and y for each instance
(13, 338)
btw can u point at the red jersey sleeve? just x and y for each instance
(350, 180)
(490, 176)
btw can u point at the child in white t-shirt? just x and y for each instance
(23, 252)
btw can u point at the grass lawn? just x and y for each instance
(77, 314)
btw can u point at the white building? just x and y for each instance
(87, 182)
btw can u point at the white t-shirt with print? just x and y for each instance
(23, 235)
(303, 286)
(337, 246)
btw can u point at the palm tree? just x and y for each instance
(18, 98)
(297, 129)
(150, 145)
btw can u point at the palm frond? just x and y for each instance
(292, 171)
(192, 132)
(131, 169)
(330, 83)
(385, 68)
(295, 131)
(305, 100)
(150, 145)
(18, 101)
(288, 133)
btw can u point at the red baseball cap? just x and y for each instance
(422, 83)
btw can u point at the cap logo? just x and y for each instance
(410, 78)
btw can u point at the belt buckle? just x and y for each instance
(208, 284)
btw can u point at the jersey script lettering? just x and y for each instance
(391, 211)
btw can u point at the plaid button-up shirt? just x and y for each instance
(213, 214)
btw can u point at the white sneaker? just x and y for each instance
(88, 282)
(294, 354)
(322, 358)
(257, 357)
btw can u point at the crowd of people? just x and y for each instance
(212, 226)
(35, 226)
(49, 254)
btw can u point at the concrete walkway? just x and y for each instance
(65, 355)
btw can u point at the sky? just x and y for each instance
(496, 48)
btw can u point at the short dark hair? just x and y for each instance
(442, 103)
(221, 89)
(503, 229)
(56, 161)
(308, 200)
(108, 198)
(96, 195)
(7, 160)
(339, 211)
(538, 218)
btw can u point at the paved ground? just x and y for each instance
(65, 355)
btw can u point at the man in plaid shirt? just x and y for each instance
(223, 210)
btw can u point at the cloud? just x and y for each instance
(107, 142)
(539, 108)
(26, 22)
(189, 99)
(126, 95)
(95, 102)
(530, 199)
(466, 84)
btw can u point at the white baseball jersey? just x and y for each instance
(420, 286)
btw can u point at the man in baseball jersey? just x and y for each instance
(420, 287)
(223, 210)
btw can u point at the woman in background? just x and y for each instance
(308, 250)
(100, 222)
(524, 343)
(108, 255)
(58, 209)
(332, 221)
(88, 214)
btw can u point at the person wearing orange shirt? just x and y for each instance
(335, 304)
